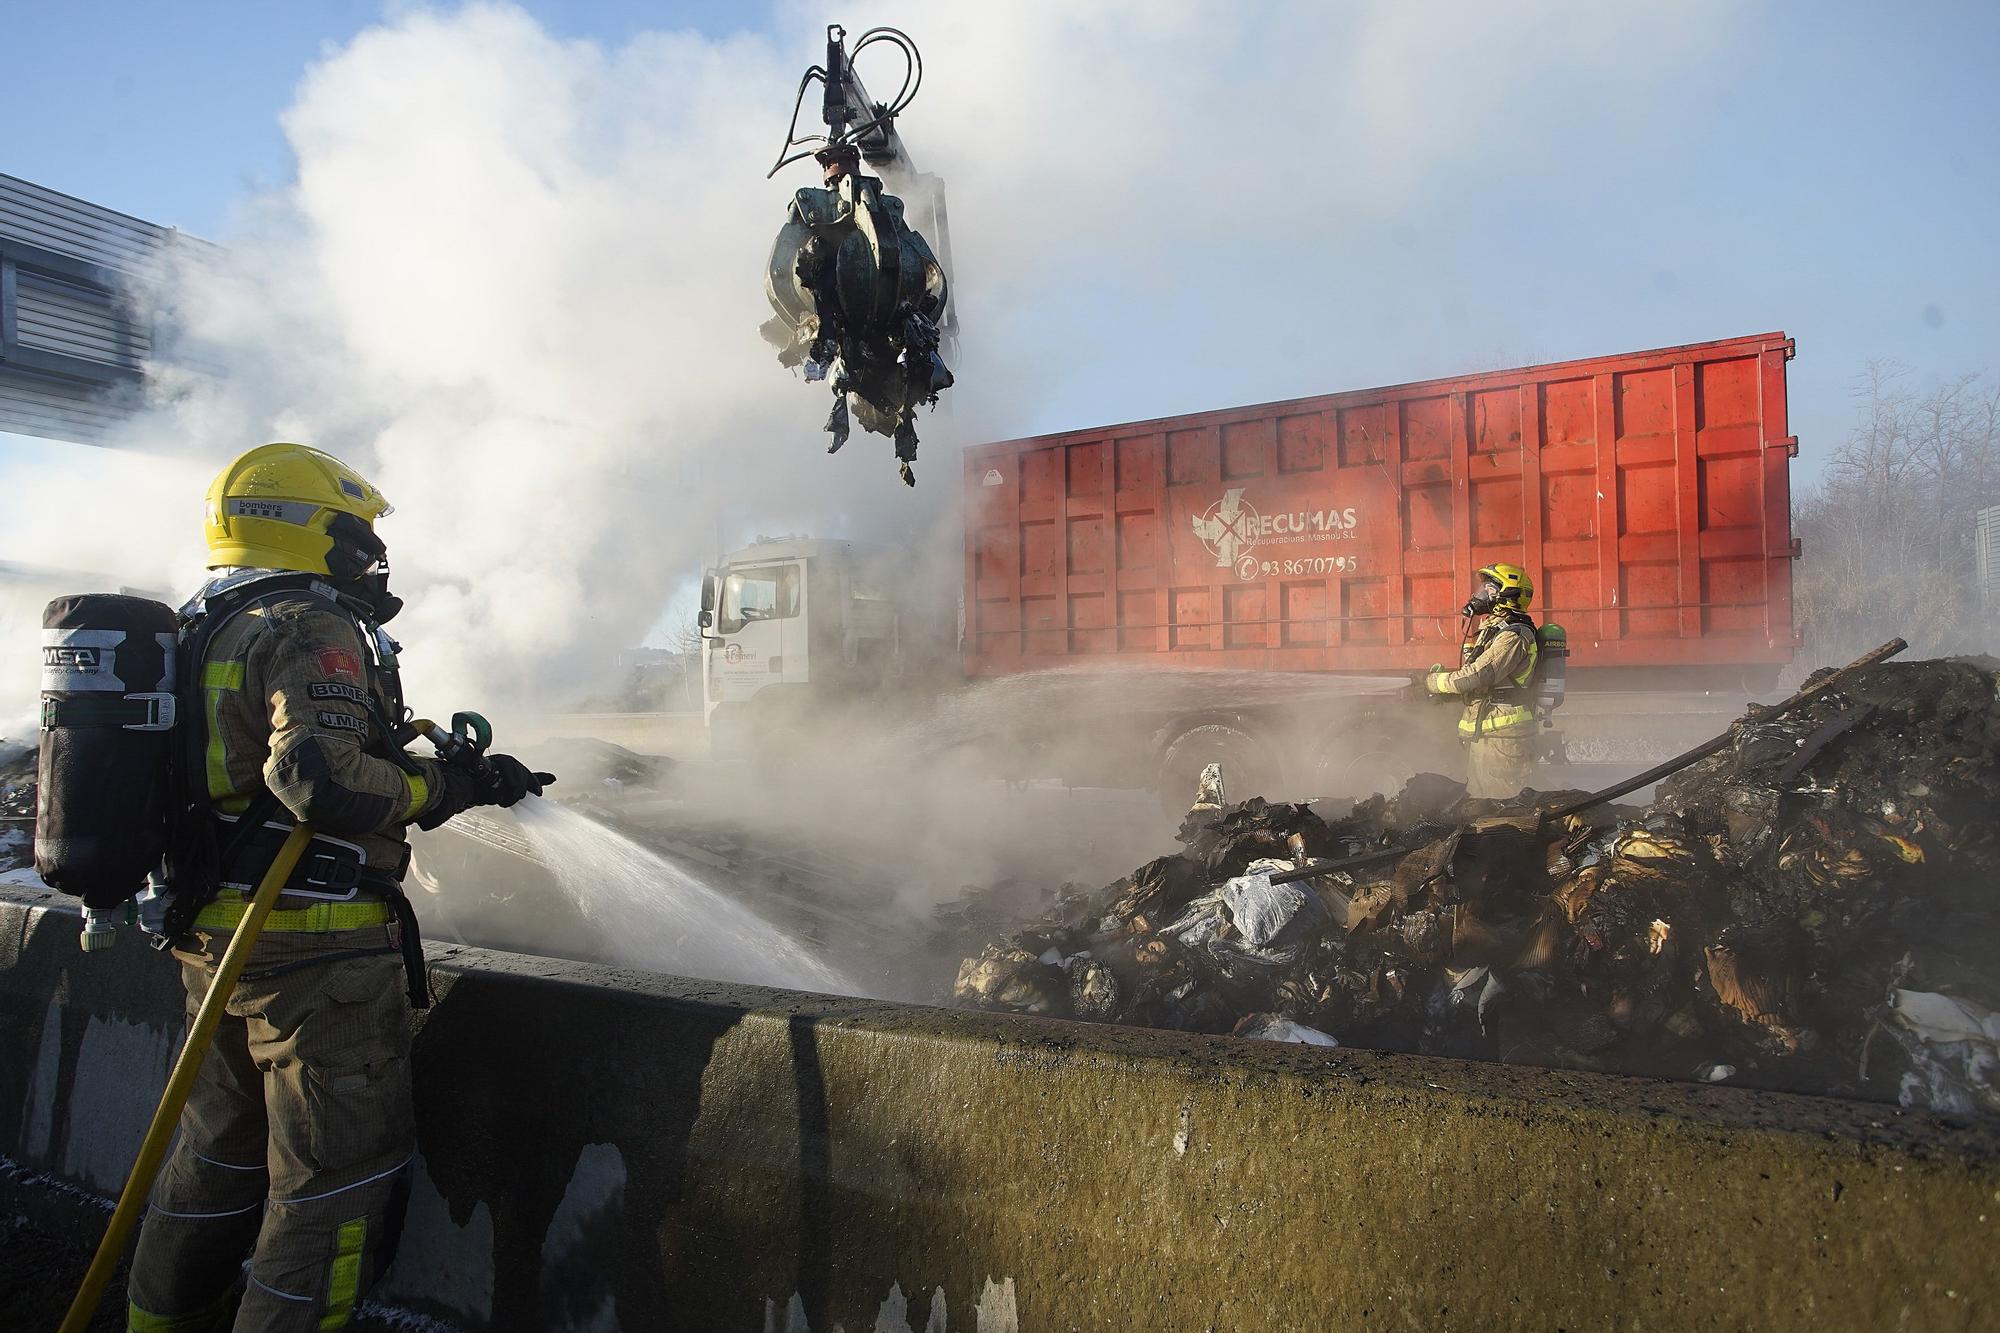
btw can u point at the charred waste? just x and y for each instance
(1813, 908)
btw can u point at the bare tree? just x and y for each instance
(686, 642)
(687, 639)
(1940, 443)
(1888, 527)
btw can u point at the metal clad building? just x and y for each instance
(72, 345)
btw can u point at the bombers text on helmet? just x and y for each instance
(290, 506)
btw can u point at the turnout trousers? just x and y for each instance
(1498, 767)
(294, 1143)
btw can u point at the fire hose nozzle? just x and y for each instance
(464, 745)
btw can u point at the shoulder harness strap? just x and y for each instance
(196, 860)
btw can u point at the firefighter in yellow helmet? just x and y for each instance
(297, 1134)
(1495, 678)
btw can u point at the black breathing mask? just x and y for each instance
(372, 590)
(359, 566)
(1482, 602)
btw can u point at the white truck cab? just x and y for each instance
(791, 624)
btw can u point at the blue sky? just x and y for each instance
(170, 111)
(1831, 169)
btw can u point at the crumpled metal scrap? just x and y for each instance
(859, 297)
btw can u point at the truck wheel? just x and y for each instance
(1366, 756)
(1248, 766)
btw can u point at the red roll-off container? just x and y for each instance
(1648, 496)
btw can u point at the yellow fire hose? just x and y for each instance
(139, 1184)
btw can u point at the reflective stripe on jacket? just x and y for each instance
(1498, 665)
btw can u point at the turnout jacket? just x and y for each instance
(1497, 665)
(294, 699)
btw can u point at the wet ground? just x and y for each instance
(41, 1268)
(39, 1273)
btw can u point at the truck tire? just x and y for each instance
(1373, 754)
(1249, 768)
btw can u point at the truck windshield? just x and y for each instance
(758, 594)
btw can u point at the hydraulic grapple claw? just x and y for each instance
(850, 281)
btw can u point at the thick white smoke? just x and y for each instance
(517, 278)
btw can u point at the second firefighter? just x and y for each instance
(1495, 678)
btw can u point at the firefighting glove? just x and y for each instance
(458, 791)
(506, 780)
(1416, 691)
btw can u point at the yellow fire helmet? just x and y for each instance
(1515, 587)
(290, 506)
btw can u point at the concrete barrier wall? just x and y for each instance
(608, 1150)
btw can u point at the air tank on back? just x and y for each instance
(1552, 677)
(105, 763)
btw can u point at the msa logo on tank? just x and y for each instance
(82, 661)
(1232, 530)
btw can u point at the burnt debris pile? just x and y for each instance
(1815, 907)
